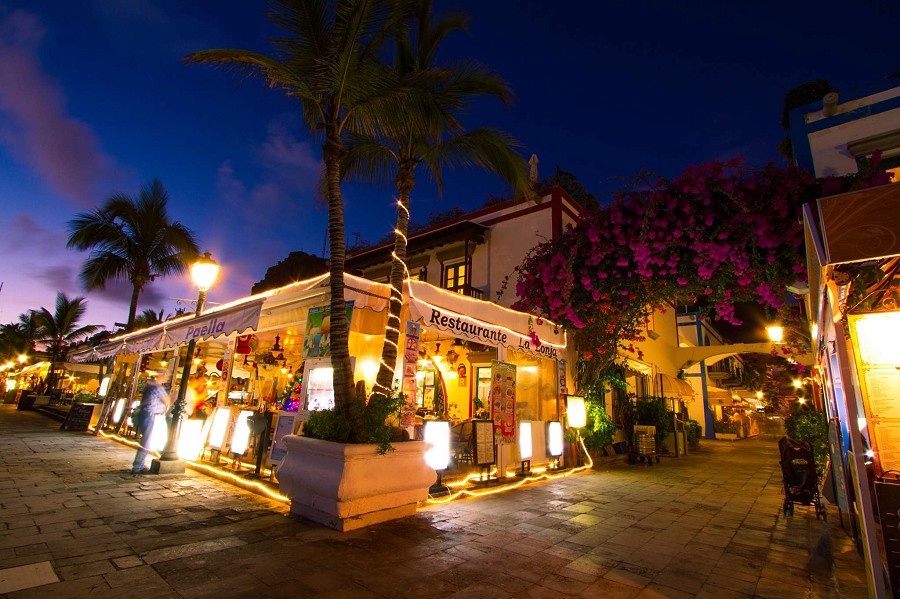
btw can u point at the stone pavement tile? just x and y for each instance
(682, 577)
(726, 579)
(648, 560)
(794, 576)
(714, 592)
(624, 575)
(657, 591)
(778, 589)
(187, 549)
(424, 588)
(567, 581)
(85, 569)
(481, 590)
(609, 589)
(127, 561)
(67, 589)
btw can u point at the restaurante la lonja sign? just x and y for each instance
(490, 335)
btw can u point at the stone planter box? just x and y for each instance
(350, 486)
(726, 437)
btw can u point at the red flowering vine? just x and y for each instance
(718, 234)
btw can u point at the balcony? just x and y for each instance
(469, 290)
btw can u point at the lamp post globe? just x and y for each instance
(203, 273)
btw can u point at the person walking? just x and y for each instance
(154, 401)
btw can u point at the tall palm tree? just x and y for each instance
(59, 331)
(433, 141)
(328, 58)
(134, 239)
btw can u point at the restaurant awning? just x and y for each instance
(861, 225)
(236, 317)
(145, 342)
(719, 397)
(100, 352)
(673, 387)
(483, 322)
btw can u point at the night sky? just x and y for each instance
(94, 100)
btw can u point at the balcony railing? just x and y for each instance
(470, 291)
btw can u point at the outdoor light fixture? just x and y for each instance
(117, 411)
(203, 272)
(576, 414)
(798, 383)
(104, 387)
(554, 441)
(240, 438)
(776, 333)
(576, 411)
(219, 426)
(437, 435)
(22, 358)
(190, 443)
(525, 449)
(759, 395)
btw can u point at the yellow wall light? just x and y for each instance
(576, 411)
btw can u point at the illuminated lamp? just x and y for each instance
(219, 427)
(775, 332)
(240, 438)
(117, 411)
(576, 414)
(22, 358)
(104, 387)
(190, 443)
(525, 449)
(134, 405)
(369, 369)
(437, 435)
(159, 434)
(10, 384)
(759, 395)
(797, 383)
(554, 442)
(576, 411)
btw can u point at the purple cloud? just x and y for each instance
(36, 128)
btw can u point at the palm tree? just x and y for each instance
(17, 338)
(328, 58)
(132, 239)
(59, 331)
(148, 318)
(396, 152)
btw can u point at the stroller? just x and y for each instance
(798, 473)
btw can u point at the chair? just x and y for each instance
(461, 442)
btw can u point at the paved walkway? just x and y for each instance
(709, 525)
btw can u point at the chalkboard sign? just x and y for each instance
(80, 416)
(887, 494)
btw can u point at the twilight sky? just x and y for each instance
(94, 100)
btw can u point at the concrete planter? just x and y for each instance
(350, 486)
(726, 437)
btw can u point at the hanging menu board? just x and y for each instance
(483, 433)
(878, 364)
(503, 401)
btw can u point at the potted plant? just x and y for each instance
(347, 478)
(726, 430)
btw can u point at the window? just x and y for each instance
(455, 277)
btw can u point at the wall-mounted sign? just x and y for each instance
(408, 384)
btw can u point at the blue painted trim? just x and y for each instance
(853, 115)
(854, 94)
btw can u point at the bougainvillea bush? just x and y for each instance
(716, 235)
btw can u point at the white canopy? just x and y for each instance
(719, 397)
(481, 321)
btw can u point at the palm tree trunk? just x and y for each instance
(132, 309)
(332, 153)
(405, 181)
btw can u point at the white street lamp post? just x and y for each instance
(203, 272)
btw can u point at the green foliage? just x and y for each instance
(693, 430)
(651, 410)
(727, 427)
(600, 429)
(85, 397)
(373, 417)
(809, 425)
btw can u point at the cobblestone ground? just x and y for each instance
(708, 525)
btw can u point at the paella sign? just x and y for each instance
(503, 401)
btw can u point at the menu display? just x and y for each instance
(878, 364)
(483, 431)
(503, 401)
